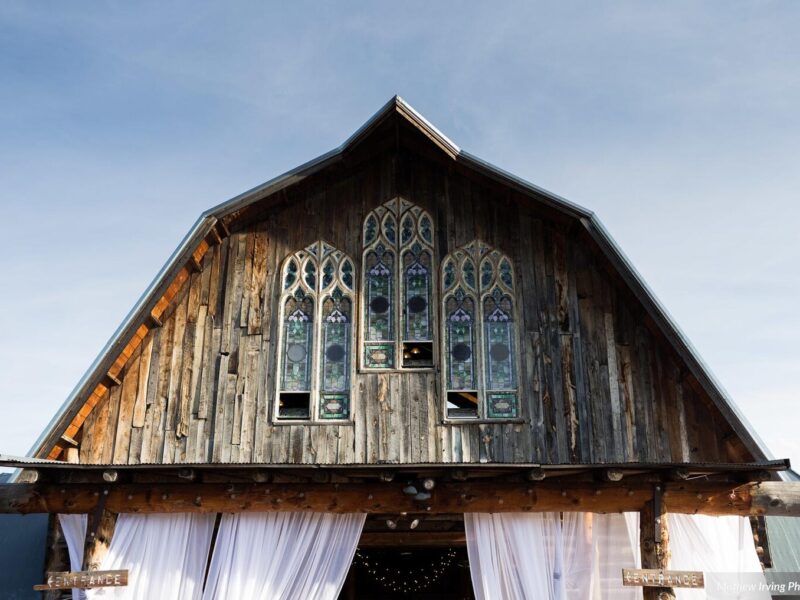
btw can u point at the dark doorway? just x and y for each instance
(400, 572)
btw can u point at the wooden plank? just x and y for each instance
(65, 580)
(423, 539)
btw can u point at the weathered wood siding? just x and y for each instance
(597, 385)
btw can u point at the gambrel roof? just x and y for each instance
(213, 224)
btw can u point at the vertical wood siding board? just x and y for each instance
(641, 396)
(570, 401)
(151, 397)
(140, 400)
(579, 359)
(222, 280)
(613, 382)
(214, 278)
(184, 407)
(228, 416)
(175, 363)
(423, 388)
(456, 446)
(202, 341)
(205, 372)
(247, 284)
(601, 300)
(258, 282)
(205, 276)
(88, 435)
(298, 443)
(661, 391)
(372, 411)
(681, 412)
(122, 439)
(395, 404)
(546, 295)
(228, 292)
(261, 424)
(670, 405)
(100, 431)
(113, 421)
(360, 423)
(218, 415)
(558, 452)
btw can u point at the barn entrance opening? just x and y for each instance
(418, 556)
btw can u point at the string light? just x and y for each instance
(406, 581)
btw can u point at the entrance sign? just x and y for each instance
(662, 578)
(84, 579)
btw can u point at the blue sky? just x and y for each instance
(677, 123)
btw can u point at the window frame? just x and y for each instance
(397, 209)
(478, 252)
(318, 254)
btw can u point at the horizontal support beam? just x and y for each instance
(771, 498)
(422, 539)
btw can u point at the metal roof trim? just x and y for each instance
(396, 104)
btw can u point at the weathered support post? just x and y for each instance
(654, 541)
(99, 530)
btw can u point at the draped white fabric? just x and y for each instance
(514, 555)
(74, 528)
(276, 556)
(721, 547)
(517, 556)
(166, 554)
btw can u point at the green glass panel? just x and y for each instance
(502, 405)
(417, 301)
(460, 345)
(334, 406)
(499, 345)
(296, 376)
(335, 348)
(379, 304)
(379, 356)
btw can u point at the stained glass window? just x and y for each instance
(316, 355)
(398, 287)
(479, 353)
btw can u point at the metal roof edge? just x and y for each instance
(670, 328)
(398, 104)
(131, 319)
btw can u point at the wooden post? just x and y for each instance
(99, 530)
(654, 541)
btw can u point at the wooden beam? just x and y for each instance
(654, 542)
(110, 380)
(99, 530)
(152, 321)
(422, 539)
(377, 497)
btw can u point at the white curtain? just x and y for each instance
(721, 547)
(529, 556)
(74, 528)
(515, 555)
(277, 556)
(165, 554)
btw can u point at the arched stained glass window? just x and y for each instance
(398, 287)
(479, 350)
(315, 360)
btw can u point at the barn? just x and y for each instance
(399, 371)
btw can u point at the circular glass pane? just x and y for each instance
(335, 353)
(379, 305)
(499, 352)
(417, 304)
(461, 352)
(296, 352)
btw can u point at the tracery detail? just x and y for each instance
(479, 349)
(398, 286)
(316, 356)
